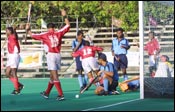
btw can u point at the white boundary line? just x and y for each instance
(110, 105)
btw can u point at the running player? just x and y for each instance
(89, 61)
(120, 45)
(77, 44)
(53, 41)
(108, 77)
(13, 59)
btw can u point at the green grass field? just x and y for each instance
(30, 99)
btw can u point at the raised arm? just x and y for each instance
(28, 29)
(63, 13)
(66, 28)
(34, 36)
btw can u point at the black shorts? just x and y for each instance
(78, 64)
(113, 86)
(123, 63)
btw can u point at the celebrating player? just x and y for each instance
(120, 45)
(89, 61)
(77, 44)
(108, 77)
(53, 41)
(13, 59)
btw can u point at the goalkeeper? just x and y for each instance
(130, 85)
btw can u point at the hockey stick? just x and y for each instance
(89, 85)
(69, 65)
(28, 19)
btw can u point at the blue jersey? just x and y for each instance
(116, 46)
(75, 43)
(110, 68)
(135, 83)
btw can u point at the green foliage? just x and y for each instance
(159, 11)
(127, 11)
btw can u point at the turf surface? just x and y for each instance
(30, 99)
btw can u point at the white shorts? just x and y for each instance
(89, 64)
(54, 61)
(13, 60)
(152, 61)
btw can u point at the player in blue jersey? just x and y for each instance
(120, 45)
(131, 84)
(77, 44)
(108, 77)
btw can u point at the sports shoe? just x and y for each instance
(60, 98)
(44, 94)
(21, 87)
(115, 93)
(15, 92)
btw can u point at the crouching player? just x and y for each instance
(108, 77)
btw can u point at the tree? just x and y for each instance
(127, 11)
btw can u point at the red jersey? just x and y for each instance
(52, 38)
(152, 46)
(87, 51)
(13, 44)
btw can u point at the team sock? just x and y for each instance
(58, 87)
(49, 87)
(80, 80)
(105, 84)
(85, 79)
(15, 82)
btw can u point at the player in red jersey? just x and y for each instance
(153, 49)
(53, 41)
(13, 59)
(89, 61)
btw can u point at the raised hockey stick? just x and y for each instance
(28, 19)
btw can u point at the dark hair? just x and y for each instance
(13, 31)
(120, 29)
(167, 58)
(151, 32)
(102, 56)
(86, 43)
(50, 25)
(79, 33)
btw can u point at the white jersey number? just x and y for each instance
(54, 41)
(87, 51)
